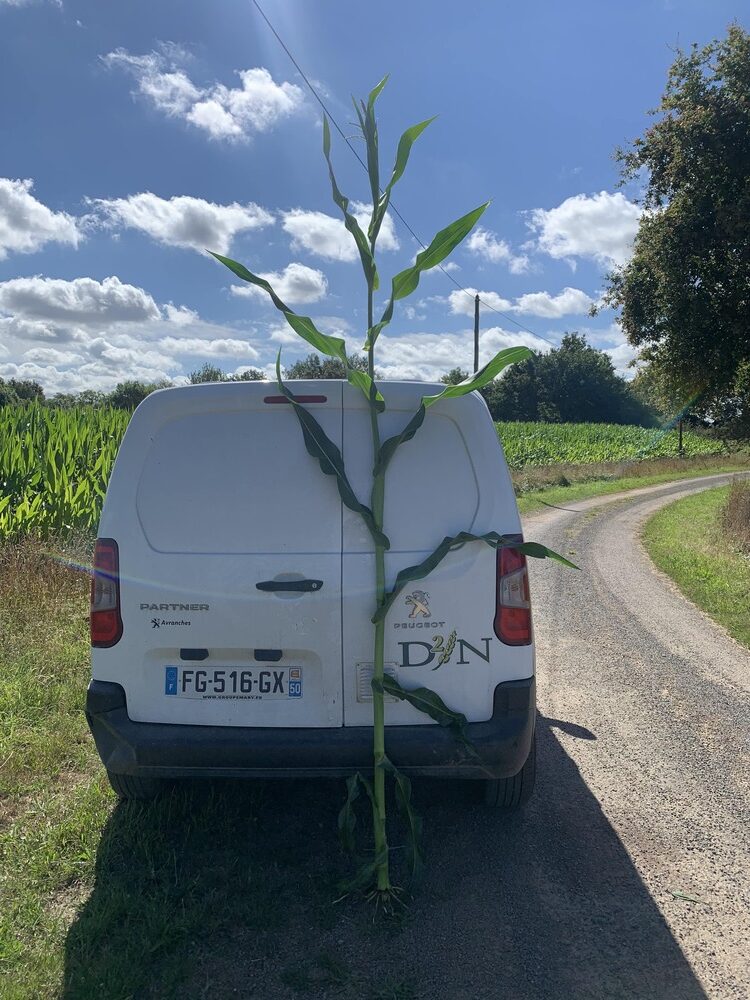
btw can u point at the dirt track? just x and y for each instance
(643, 795)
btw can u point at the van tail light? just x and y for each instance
(513, 603)
(106, 621)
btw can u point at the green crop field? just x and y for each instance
(54, 467)
(55, 464)
(533, 444)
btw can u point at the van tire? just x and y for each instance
(129, 786)
(512, 793)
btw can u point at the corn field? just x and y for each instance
(530, 444)
(54, 467)
(55, 464)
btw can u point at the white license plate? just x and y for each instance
(233, 683)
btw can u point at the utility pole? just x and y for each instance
(476, 334)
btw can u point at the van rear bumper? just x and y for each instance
(175, 751)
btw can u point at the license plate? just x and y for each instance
(233, 683)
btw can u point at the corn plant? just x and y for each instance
(374, 875)
(54, 467)
(536, 443)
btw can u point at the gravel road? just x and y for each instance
(627, 874)
(643, 793)
(666, 694)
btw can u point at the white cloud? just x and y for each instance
(296, 284)
(621, 356)
(26, 224)
(83, 301)
(284, 335)
(462, 304)
(427, 356)
(226, 347)
(327, 236)
(183, 221)
(568, 302)
(485, 244)
(51, 356)
(601, 226)
(27, 3)
(79, 334)
(180, 315)
(232, 113)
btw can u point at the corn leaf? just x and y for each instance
(303, 326)
(375, 92)
(405, 143)
(510, 356)
(490, 371)
(451, 543)
(388, 448)
(430, 703)
(363, 381)
(406, 281)
(365, 254)
(329, 457)
(364, 877)
(411, 818)
(347, 816)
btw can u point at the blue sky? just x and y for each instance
(134, 135)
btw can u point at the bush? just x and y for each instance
(735, 517)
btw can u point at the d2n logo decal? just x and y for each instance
(417, 600)
(420, 654)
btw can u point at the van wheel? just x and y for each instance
(511, 793)
(130, 786)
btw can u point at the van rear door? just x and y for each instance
(451, 477)
(229, 539)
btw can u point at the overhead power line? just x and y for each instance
(393, 207)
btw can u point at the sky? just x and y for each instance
(136, 136)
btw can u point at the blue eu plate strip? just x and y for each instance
(170, 681)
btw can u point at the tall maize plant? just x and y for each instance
(374, 873)
(54, 467)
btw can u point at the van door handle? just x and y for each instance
(294, 585)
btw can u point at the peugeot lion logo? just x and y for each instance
(418, 600)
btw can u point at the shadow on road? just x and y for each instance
(227, 890)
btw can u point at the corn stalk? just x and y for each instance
(374, 875)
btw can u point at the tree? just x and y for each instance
(207, 373)
(314, 366)
(515, 395)
(210, 373)
(90, 397)
(127, 395)
(454, 376)
(684, 296)
(572, 383)
(26, 390)
(8, 396)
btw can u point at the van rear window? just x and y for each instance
(236, 481)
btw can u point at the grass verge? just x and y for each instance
(558, 485)
(121, 900)
(701, 560)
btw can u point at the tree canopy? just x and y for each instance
(315, 366)
(572, 383)
(684, 296)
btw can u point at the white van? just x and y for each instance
(233, 592)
